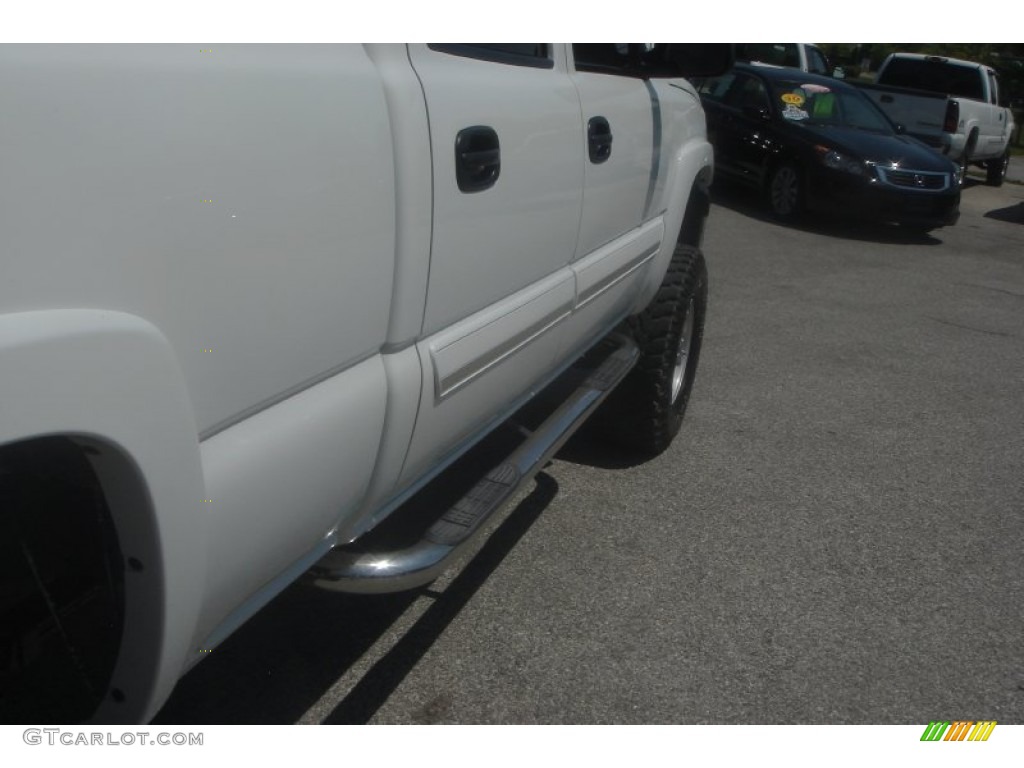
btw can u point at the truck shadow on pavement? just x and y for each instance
(373, 689)
(283, 661)
(749, 203)
(1014, 214)
(591, 448)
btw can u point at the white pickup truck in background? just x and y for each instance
(952, 105)
(257, 299)
(803, 56)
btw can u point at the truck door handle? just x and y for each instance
(886, 98)
(477, 158)
(599, 139)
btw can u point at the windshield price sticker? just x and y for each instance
(793, 98)
(793, 112)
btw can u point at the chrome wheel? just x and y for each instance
(683, 352)
(785, 191)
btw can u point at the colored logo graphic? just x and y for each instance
(958, 730)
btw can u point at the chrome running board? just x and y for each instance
(351, 569)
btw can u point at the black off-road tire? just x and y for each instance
(995, 170)
(645, 412)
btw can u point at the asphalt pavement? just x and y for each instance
(834, 537)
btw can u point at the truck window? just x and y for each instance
(517, 54)
(993, 88)
(715, 88)
(935, 75)
(779, 54)
(816, 61)
(611, 58)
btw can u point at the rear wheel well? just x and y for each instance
(697, 208)
(62, 571)
(969, 145)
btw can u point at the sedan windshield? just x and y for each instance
(816, 104)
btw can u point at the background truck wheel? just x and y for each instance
(645, 412)
(785, 195)
(995, 170)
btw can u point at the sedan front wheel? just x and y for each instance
(784, 192)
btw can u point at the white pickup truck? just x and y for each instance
(953, 106)
(255, 300)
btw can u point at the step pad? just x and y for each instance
(467, 513)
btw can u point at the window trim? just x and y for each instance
(995, 93)
(470, 51)
(628, 69)
(814, 51)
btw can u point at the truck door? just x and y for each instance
(619, 233)
(507, 178)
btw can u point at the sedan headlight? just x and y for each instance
(837, 161)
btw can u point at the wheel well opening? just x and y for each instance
(697, 208)
(61, 584)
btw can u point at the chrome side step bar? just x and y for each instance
(349, 569)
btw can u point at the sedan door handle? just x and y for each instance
(477, 158)
(599, 139)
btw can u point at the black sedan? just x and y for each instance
(817, 144)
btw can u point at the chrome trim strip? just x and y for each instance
(453, 382)
(617, 276)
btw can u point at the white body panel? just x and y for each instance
(280, 481)
(284, 274)
(487, 245)
(245, 279)
(615, 192)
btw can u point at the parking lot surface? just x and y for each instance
(834, 537)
